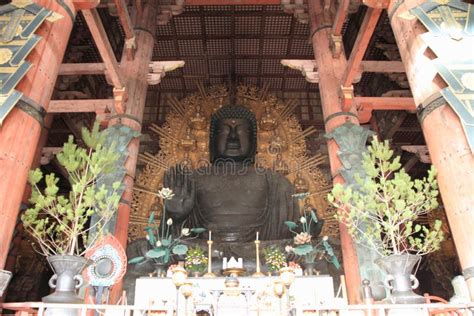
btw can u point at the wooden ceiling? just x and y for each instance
(244, 43)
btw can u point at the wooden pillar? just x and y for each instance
(331, 72)
(16, 242)
(21, 130)
(446, 141)
(135, 76)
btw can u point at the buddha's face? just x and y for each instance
(233, 139)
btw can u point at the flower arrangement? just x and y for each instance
(274, 258)
(161, 238)
(381, 214)
(196, 260)
(294, 265)
(60, 223)
(302, 241)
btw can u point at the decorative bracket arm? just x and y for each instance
(306, 66)
(347, 94)
(158, 70)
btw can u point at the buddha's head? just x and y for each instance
(233, 134)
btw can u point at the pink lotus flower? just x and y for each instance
(302, 238)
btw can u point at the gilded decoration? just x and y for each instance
(450, 37)
(281, 146)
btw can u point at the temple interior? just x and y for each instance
(294, 72)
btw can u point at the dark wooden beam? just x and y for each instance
(124, 17)
(340, 17)
(75, 69)
(83, 105)
(365, 105)
(75, 129)
(410, 163)
(127, 27)
(382, 66)
(358, 51)
(386, 103)
(232, 2)
(396, 125)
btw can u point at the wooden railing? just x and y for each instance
(434, 309)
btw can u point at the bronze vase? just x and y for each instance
(309, 268)
(160, 269)
(399, 280)
(67, 279)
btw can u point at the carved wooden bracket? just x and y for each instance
(48, 153)
(130, 47)
(120, 97)
(347, 94)
(158, 70)
(336, 45)
(297, 8)
(421, 151)
(306, 66)
(168, 11)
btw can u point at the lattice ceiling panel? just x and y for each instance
(245, 43)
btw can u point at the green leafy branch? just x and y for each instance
(59, 223)
(382, 213)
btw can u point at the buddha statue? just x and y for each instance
(231, 197)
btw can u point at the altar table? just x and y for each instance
(255, 295)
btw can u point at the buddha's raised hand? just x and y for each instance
(181, 182)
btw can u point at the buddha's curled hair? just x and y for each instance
(233, 112)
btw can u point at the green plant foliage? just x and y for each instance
(382, 214)
(60, 223)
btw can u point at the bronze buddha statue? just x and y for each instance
(231, 196)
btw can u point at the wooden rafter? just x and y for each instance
(410, 163)
(396, 125)
(232, 2)
(127, 26)
(386, 103)
(340, 17)
(83, 105)
(103, 45)
(362, 41)
(365, 105)
(75, 69)
(382, 66)
(124, 17)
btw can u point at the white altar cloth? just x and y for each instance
(256, 298)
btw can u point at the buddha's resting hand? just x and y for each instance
(184, 190)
